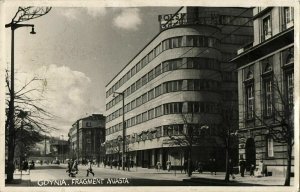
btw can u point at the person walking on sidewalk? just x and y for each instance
(200, 167)
(169, 166)
(242, 167)
(231, 169)
(89, 169)
(185, 165)
(158, 166)
(252, 168)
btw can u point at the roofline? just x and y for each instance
(140, 51)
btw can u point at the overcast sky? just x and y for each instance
(78, 51)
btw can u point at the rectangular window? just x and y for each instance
(190, 86)
(166, 44)
(176, 42)
(267, 30)
(139, 84)
(145, 116)
(151, 75)
(151, 94)
(133, 104)
(133, 121)
(268, 97)
(158, 91)
(250, 101)
(270, 147)
(157, 70)
(151, 114)
(288, 15)
(138, 67)
(165, 66)
(158, 50)
(133, 71)
(139, 119)
(144, 80)
(133, 88)
(158, 111)
(139, 101)
(128, 75)
(144, 98)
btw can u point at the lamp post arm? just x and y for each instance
(14, 26)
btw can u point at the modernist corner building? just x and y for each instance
(184, 69)
(266, 88)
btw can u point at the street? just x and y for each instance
(56, 175)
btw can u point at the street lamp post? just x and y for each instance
(123, 130)
(11, 129)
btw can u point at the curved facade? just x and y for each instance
(176, 78)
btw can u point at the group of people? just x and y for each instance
(73, 168)
(118, 163)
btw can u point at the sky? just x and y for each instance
(77, 51)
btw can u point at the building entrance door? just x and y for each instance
(250, 153)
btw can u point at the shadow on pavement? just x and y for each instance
(48, 167)
(218, 182)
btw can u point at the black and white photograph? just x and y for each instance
(124, 95)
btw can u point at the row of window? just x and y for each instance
(174, 42)
(165, 109)
(167, 87)
(181, 63)
(166, 131)
(266, 26)
(269, 85)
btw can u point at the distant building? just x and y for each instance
(265, 81)
(184, 69)
(86, 136)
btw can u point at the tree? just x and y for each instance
(23, 14)
(191, 135)
(228, 130)
(30, 118)
(281, 127)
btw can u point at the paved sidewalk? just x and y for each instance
(204, 177)
(21, 179)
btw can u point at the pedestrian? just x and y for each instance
(242, 167)
(200, 167)
(252, 168)
(69, 168)
(73, 169)
(213, 166)
(230, 167)
(158, 166)
(261, 168)
(191, 167)
(89, 169)
(185, 164)
(169, 166)
(131, 163)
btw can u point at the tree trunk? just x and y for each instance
(10, 159)
(227, 165)
(190, 162)
(289, 164)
